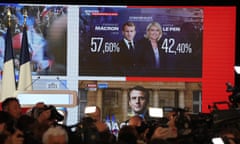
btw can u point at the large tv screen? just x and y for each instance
(46, 24)
(195, 44)
(177, 52)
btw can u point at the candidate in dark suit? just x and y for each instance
(124, 61)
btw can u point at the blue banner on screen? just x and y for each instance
(159, 42)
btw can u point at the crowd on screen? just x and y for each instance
(38, 21)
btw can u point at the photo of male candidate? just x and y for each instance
(138, 99)
(124, 61)
(104, 46)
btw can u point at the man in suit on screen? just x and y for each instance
(124, 60)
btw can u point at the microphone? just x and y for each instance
(62, 83)
(32, 83)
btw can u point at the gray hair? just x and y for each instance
(54, 131)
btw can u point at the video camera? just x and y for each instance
(55, 115)
(206, 125)
(234, 97)
(200, 128)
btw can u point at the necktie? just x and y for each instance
(131, 47)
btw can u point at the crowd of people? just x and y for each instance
(42, 125)
(34, 126)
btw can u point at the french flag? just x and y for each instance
(25, 74)
(8, 76)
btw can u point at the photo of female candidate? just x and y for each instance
(151, 57)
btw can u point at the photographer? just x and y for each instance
(96, 116)
(46, 116)
(141, 127)
(164, 132)
(103, 131)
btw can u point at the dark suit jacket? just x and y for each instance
(124, 60)
(146, 59)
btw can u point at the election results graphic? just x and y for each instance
(178, 52)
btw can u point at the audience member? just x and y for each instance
(141, 126)
(158, 141)
(8, 133)
(6, 123)
(135, 120)
(12, 106)
(28, 125)
(127, 135)
(96, 116)
(105, 135)
(42, 116)
(15, 138)
(55, 135)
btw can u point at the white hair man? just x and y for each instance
(55, 135)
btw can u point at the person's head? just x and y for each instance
(139, 123)
(6, 123)
(96, 115)
(135, 121)
(153, 31)
(12, 106)
(94, 112)
(55, 135)
(128, 134)
(138, 99)
(26, 123)
(42, 114)
(129, 31)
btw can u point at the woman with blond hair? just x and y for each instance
(151, 57)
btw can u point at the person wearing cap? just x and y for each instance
(42, 113)
(45, 113)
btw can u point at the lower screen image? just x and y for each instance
(114, 97)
